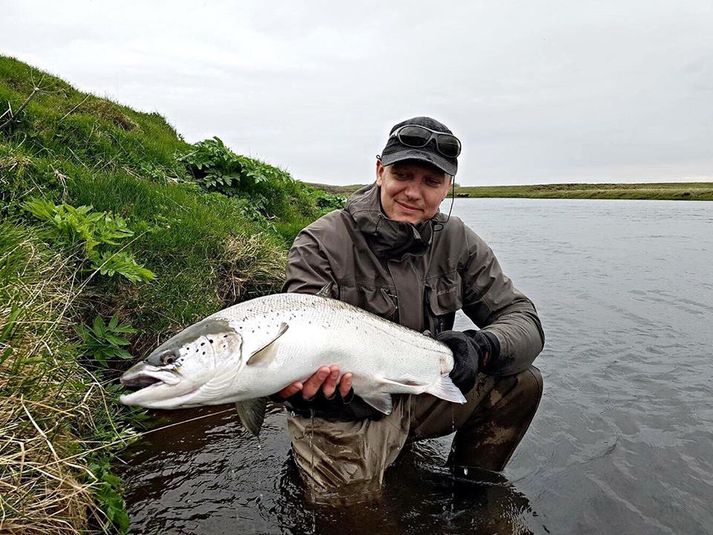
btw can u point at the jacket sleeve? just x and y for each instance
(496, 306)
(308, 269)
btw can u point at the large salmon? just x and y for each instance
(255, 348)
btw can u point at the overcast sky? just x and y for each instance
(538, 91)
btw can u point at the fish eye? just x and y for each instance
(168, 359)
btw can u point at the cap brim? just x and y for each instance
(428, 157)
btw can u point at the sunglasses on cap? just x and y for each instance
(417, 136)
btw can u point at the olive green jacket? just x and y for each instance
(415, 275)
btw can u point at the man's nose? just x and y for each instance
(413, 190)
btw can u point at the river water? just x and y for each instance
(623, 439)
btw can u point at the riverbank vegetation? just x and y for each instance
(673, 191)
(115, 233)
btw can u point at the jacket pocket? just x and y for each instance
(443, 299)
(379, 300)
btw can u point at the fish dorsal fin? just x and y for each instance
(380, 401)
(325, 291)
(252, 414)
(264, 355)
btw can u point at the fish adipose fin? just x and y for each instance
(264, 355)
(252, 414)
(381, 402)
(445, 389)
(325, 291)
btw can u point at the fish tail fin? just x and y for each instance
(445, 389)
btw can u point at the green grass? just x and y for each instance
(81, 128)
(75, 148)
(687, 191)
(53, 410)
(207, 246)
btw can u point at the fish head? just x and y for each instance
(195, 367)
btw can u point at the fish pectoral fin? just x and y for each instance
(380, 401)
(266, 353)
(252, 414)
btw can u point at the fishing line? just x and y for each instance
(140, 435)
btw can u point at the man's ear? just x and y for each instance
(379, 172)
(450, 184)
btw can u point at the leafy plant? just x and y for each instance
(97, 231)
(105, 341)
(216, 168)
(108, 493)
(121, 263)
(329, 201)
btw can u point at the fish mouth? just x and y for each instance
(139, 381)
(143, 375)
(156, 387)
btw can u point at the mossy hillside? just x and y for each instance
(80, 149)
(206, 246)
(67, 124)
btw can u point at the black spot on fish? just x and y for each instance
(210, 340)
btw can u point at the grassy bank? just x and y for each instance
(675, 191)
(689, 191)
(114, 234)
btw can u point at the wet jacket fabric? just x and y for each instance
(415, 275)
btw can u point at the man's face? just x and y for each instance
(410, 191)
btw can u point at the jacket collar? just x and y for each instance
(387, 238)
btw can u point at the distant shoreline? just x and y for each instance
(674, 191)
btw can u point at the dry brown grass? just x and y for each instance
(41, 488)
(250, 267)
(47, 400)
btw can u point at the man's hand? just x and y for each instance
(472, 352)
(326, 378)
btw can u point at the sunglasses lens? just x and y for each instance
(414, 136)
(449, 146)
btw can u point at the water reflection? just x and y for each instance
(210, 476)
(620, 444)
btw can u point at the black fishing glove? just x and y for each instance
(472, 351)
(348, 408)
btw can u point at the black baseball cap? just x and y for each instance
(395, 151)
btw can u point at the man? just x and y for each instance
(391, 252)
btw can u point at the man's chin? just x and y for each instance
(407, 216)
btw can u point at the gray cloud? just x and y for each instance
(542, 91)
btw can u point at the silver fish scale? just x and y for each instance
(383, 357)
(332, 313)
